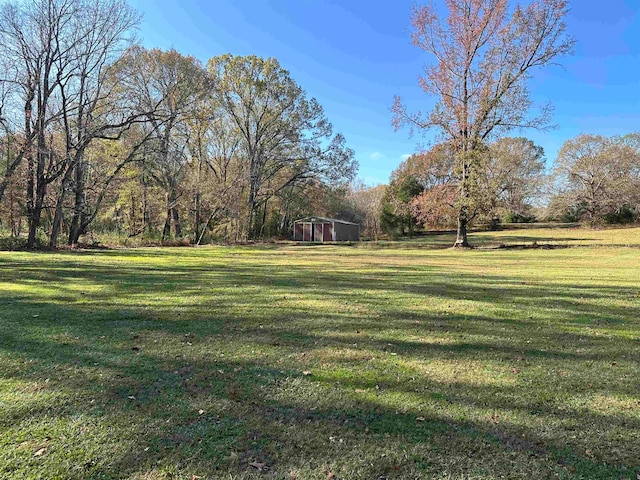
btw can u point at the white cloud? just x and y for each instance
(376, 156)
(405, 156)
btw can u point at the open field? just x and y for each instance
(324, 362)
(525, 235)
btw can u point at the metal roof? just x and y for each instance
(324, 219)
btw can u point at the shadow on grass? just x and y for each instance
(215, 381)
(151, 399)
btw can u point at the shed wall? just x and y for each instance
(346, 232)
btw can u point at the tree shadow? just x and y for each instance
(237, 354)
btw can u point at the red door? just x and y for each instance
(327, 232)
(306, 234)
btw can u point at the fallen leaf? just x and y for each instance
(306, 373)
(420, 419)
(40, 452)
(515, 370)
(131, 397)
(258, 466)
(200, 411)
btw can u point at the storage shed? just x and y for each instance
(320, 229)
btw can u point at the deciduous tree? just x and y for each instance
(285, 136)
(483, 54)
(598, 175)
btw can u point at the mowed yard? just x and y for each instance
(395, 361)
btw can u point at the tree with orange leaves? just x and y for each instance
(484, 53)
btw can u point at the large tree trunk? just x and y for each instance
(173, 216)
(37, 204)
(166, 231)
(79, 205)
(253, 206)
(146, 217)
(177, 225)
(196, 218)
(31, 174)
(57, 218)
(461, 235)
(463, 212)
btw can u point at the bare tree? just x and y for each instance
(484, 54)
(517, 167)
(170, 88)
(60, 52)
(598, 174)
(90, 98)
(286, 137)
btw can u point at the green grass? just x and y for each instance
(318, 362)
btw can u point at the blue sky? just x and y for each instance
(355, 55)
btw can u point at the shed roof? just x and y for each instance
(324, 219)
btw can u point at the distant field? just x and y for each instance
(527, 234)
(398, 360)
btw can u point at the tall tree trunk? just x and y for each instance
(31, 204)
(57, 218)
(197, 217)
(166, 231)
(15, 227)
(463, 213)
(253, 206)
(75, 230)
(146, 224)
(177, 225)
(461, 236)
(41, 190)
(264, 218)
(133, 227)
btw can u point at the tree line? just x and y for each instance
(594, 180)
(100, 134)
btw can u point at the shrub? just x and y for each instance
(519, 218)
(624, 215)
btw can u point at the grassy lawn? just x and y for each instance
(395, 361)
